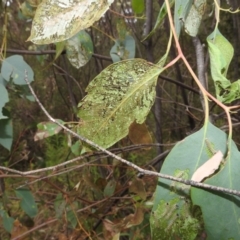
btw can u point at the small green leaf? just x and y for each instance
(59, 205)
(79, 49)
(181, 10)
(7, 222)
(110, 188)
(3, 99)
(14, 67)
(47, 129)
(161, 15)
(27, 10)
(27, 202)
(76, 148)
(6, 133)
(123, 50)
(194, 17)
(217, 206)
(138, 6)
(221, 53)
(71, 215)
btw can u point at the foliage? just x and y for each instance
(93, 196)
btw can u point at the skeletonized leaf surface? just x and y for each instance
(122, 93)
(58, 20)
(3, 99)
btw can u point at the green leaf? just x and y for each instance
(47, 129)
(3, 99)
(138, 6)
(221, 212)
(56, 21)
(59, 205)
(71, 215)
(6, 133)
(59, 48)
(110, 188)
(14, 67)
(181, 10)
(27, 203)
(161, 15)
(121, 29)
(7, 222)
(76, 148)
(123, 50)
(119, 95)
(194, 18)
(79, 49)
(221, 54)
(183, 160)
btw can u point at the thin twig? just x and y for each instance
(139, 169)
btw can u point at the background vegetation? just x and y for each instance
(98, 197)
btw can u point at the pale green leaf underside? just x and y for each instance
(58, 20)
(181, 10)
(194, 17)
(122, 93)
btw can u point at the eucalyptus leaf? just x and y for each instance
(27, 202)
(6, 133)
(58, 20)
(119, 95)
(14, 68)
(59, 48)
(79, 49)
(3, 99)
(123, 50)
(194, 17)
(47, 129)
(181, 10)
(161, 15)
(138, 6)
(7, 222)
(221, 53)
